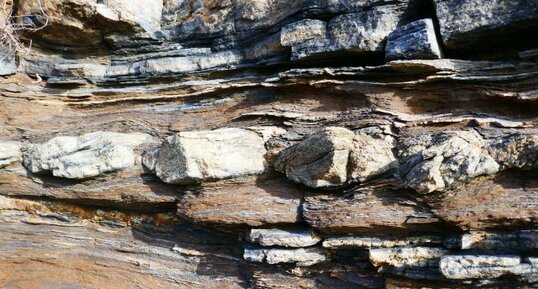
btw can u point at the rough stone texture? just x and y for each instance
(301, 31)
(370, 27)
(423, 157)
(194, 157)
(416, 40)
(379, 242)
(252, 202)
(320, 161)
(407, 256)
(367, 212)
(300, 257)
(10, 152)
(463, 25)
(478, 266)
(7, 62)
(87, 156)
(435, 161)
(283, 237)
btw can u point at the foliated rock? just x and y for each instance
(515, 151)
(86, 156)
(193, 157)
(407, 256)
(462, 25)
(435, 161)
(478, 266)
(10, 152)
(379, 242)
(300, 257)
(320, 161)
(371, 155)
(336, 156)
(416, 40)
(365, 30)
(283, 237)
(301, 31)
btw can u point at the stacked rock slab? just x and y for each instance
(416, 40)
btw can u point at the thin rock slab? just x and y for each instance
(380, 242)
(198, 156)
(249, 201)
(509, 199)
(479, 266)
(387, 212)
(295, 238)
(300, 256)
(402, 257)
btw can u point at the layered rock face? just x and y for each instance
(269, 144)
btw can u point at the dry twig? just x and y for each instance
(11, 27)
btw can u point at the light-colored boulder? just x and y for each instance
(300, 256)
(435, 161)
(416, 40)
(295, 238)
(401, 257)
(196, 156)
(85, 156)
(10, 152)
(371, 155)
(336, 156)
(517, 150)
(320, 161)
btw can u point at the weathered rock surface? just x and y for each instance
(89, 155)
(368, 212)
(300, 257)
(462, 25)
(336, 156)
(202, 133)
(194, 157)
(435, 161)
(283, 237)
(407, 256)
(10, 152)
(416, 40)
(243, 202)
(8, 65)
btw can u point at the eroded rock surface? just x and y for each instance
(89, 155)
(194, 157)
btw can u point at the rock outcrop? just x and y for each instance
(268, 144)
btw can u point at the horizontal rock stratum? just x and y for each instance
(268, 144)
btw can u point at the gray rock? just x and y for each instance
(7, 62)
(335, 156)
(379, 242)
(310, 48)
(86, 156)
(416, 40)
(364, 31)
(463, 25)
(479, 266)
(519, 240)
(371, 155)
(300, 257)
(515, 151)
(406, 256)
(10, 152)
(197, 156)
(301, 31)
(436, 161)
(283, 237)
(320, 161)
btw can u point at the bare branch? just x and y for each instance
(11, 27)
